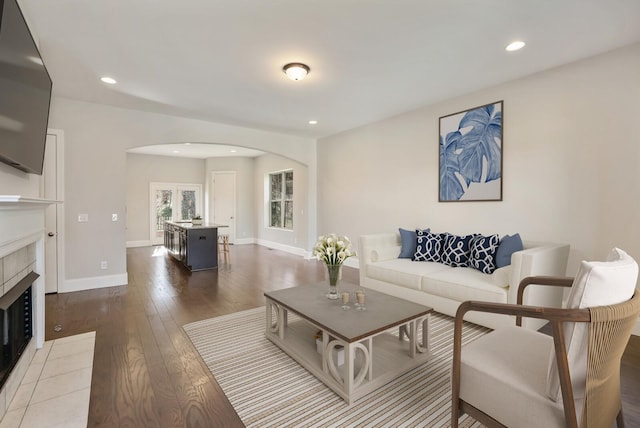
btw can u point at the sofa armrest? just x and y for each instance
(375, 243)
(380, 243)
(542, 259)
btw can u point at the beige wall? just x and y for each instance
(16, 182)
(144, 169)
(570, 154)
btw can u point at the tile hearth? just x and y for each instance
(56, 388)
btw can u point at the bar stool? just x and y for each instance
(223, 247)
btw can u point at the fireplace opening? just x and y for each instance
(16, 324)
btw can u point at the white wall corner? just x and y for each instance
(134, 244)
(90, 283)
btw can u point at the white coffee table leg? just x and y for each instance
(414, 345)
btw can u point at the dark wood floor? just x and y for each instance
(146, 373)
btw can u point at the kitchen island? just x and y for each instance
(195, 245)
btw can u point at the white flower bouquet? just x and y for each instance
(333, 249)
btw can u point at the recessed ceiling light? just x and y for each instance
(109, 80)
(514, 46)
(233, 150)
(176, 151)
(313, 122)
(187, 144)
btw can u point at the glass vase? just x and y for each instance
(334, 274)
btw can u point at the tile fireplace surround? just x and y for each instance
(22, 251)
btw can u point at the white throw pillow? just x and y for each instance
(595, 284)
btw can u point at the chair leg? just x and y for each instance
(620, 419)
(223, 247)
(455, 414)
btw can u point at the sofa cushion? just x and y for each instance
(429, 247)
(455, 250)
(403, 272)
(482, 254)
(508, 246)
(501, 367)
(463, 284)
(409, 242)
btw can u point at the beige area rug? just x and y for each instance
(269, 389)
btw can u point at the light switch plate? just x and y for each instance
(114, 217)
(83, 218)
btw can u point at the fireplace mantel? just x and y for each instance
(18, 201)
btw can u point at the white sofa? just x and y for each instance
(444, 287)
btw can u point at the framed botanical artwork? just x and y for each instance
(471, 155)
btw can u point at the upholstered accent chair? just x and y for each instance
(515, 377)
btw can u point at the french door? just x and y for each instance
(172, 202)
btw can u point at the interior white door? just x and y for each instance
(224, 202)
(50, 185)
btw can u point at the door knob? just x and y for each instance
(51, 233)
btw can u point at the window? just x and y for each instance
(173, 202)
(281, 199)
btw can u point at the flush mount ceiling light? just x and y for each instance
(515, 46)
(296, 70)
(109, 80)
(313, 122)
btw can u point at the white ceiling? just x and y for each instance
(221, 60)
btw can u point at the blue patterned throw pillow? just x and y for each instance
(483, 253)
(455, 251)
(429, 247)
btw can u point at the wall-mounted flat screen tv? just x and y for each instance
(25, 93)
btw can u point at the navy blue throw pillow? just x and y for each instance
(409, 242)
(483, 253)
(508, 246)
(455, 251)
(429, 247)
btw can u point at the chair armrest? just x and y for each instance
(556, 281)
(549, 314)
(555, 315)
(553, 281)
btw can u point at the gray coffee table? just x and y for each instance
(372, 355)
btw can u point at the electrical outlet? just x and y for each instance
(83, 218)
(114, 217)
(103, 264)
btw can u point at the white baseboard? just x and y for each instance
(134, 244)
(282, 247)
(91, 283)
(353, 262)
(244, 241)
